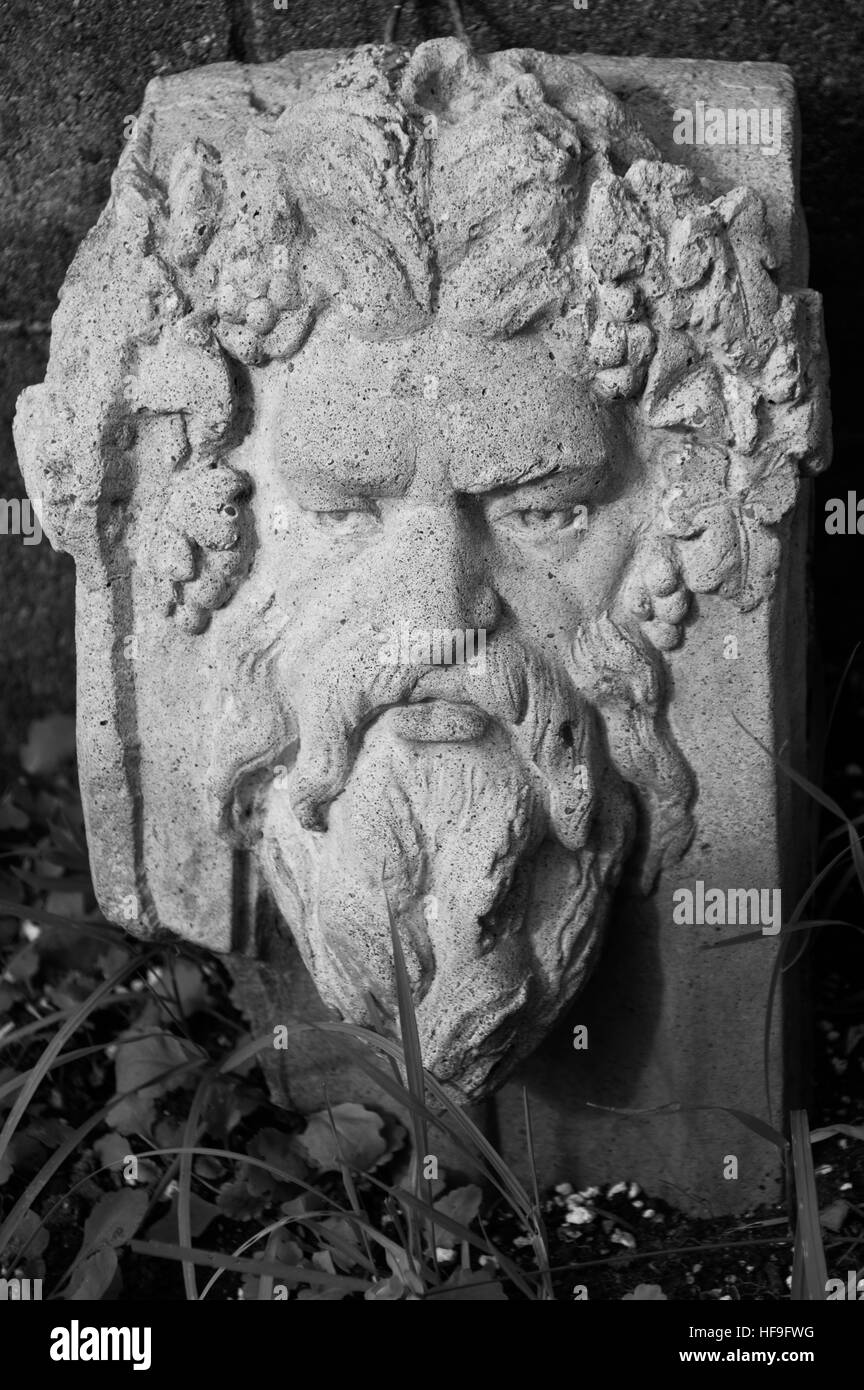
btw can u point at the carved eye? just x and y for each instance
(346, 521)
(540, 522)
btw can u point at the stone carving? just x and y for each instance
(443, 347)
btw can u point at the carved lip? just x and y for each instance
(432, 720)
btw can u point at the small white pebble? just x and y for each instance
(578, 1216)
(443, 1254)
(648, 1212)
(634, 1191)
(30, 931)
(623, 1238)
(845, 1187)
(564, 1189)
(824, 1169)
(616, 1189)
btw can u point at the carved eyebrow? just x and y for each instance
(518, 472)
(534, 472)
(352, 474)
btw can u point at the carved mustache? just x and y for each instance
(341, 694)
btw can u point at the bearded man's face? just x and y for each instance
(467, 487)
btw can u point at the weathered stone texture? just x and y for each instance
(69, 74)
(69, 77)
(444, 269)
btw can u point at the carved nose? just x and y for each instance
(436, 580)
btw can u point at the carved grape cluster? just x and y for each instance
(200, 548)
(662, 298)
(677, 308)
(232, 230)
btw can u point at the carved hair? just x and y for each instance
(437, 185)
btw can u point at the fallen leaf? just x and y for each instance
(281, 1249)
(114, 1220)
(182, 983)
(833, 1216)
(94, 1276)
(201, 1214)
(111, 959)
(280, 1150)
(462, 1205)
(357, 1140)
(63, 904)
(342, 1239)
(50, 742)
(400, 1266)
(136, 1065)
(236, 1201)
(30, 1239)
(23, 965)
(112, 1149)
(169, 1134)
(226, 1106)
(49, 1130)
(320, 1293)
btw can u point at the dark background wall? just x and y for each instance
(72, 70)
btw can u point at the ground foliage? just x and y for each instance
(105, 1197)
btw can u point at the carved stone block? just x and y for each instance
(427, 429)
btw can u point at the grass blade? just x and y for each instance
(809, 1271)
(59, 1157)
(414, 1074)
(744, 1117)
(214, 1259)
(539, 1237)
(55, 1046)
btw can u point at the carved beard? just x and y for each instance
(498, 854)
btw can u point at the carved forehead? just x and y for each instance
(497, 411)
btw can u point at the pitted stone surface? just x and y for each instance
(368, 353)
